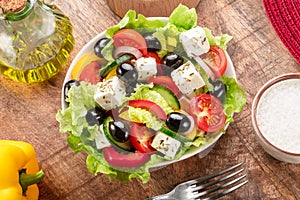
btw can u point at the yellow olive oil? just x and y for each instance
(38, 48)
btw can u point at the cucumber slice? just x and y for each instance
(168, 96)
(125, 146)
(105, 70)
(175, 135)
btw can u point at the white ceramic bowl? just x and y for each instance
(202, 150)
(276, 117)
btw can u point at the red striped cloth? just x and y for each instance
(284, 16)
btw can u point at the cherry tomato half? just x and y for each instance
(141, 138)
(115, 158)
(208, 112)
(215, 58)
(132, 38)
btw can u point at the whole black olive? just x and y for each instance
(219, 90)
(95, 116)
(127, 73)
(178, 122)
(119, 131)
(172, 61)
(68, 86)
(100, 45)
(152, 42)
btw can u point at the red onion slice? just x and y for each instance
(121, 50)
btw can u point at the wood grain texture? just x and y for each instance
(27, 112)
(149, 8)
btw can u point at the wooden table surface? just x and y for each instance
(27, 112)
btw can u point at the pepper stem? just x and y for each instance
(26, 180)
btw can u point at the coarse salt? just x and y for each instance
(278, 115)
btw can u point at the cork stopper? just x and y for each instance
(12, 6)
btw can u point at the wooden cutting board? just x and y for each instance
(149, 8)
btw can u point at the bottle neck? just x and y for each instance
(16, 16)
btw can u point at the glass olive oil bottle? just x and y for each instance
(35, 42)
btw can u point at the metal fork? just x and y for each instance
(191, 190)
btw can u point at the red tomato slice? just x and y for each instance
(115, 158)
(215, 58)
(165, 81)
(208, 112)
(129, 37)
(141, 138)
(150, 106)
(90, 73)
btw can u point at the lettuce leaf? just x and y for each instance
(144, 91)
(183, 18)
(130, 21)
(97, 164)
(235, 96)
(220, 41)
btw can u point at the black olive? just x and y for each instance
(129, 90)
(119, 131)
(152, 42)
(219, 90)
(68, 86)
(100, 45)
(171, 61)
(95, 116)
(127, 73)
(178, 122)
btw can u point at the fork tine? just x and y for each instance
(204, 178)
(221, 186)
(226, 191)
(203, 186)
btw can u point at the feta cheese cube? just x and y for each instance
(100, 139)
(146, 68)
(194, 42)
(187, 78)
(110, 93)
(165, 144)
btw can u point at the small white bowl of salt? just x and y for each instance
(276, 117)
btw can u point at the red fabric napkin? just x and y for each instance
(284, 16)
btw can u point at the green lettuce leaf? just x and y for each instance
(97, 164)
(183, 18)
(144, 91)
(220, 41)
(235, 96)
(146, 117)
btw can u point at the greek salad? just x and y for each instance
(149, 91)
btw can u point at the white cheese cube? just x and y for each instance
(110, 93)
(146, 68)
(101, 140)
(194, 42)
(165, 144)
(187, 78)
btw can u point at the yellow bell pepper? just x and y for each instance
(19, 171)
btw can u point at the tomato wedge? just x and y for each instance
(141, 138)
(165, 81)
(215, 58)
(150, 106)
(117, 159)
(132, 38)
(208, 112)
(90, 73)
